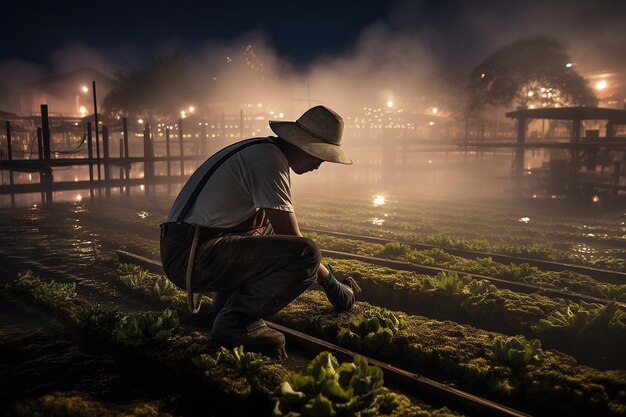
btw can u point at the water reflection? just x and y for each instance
(378, 200)
(143, 214)
(583, 248)
(377, 221)
(524, 220)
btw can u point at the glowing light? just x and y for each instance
(140, 121)
(183, 114)
(601, 85)
(378, 200)
(83, 110)
(260, 105)
(530, 94)
(542, 90)
(524, 219)
(142, 187)
(79, 198)
(281, 115)
(84, 89)
(377, 222)
(483, 75)
(389, 103)
(569, 65)
(75, 179)
(430, 161)
(431, 123)
(435, 110)
(228, 60)
(596, 198)
(192, 109)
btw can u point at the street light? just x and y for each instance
(84, 89)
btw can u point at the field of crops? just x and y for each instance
(545, 342)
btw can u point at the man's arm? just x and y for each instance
(286, 223)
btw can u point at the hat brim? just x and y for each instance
(291, 132)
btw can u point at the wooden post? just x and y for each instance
(121, 174)
(9, 147)
(241, 124)
(148, 153)
(126, 152)
(45, 128)
(10, 157)
(519, 152)
(182, 152)
(105, 151)
(610, 130)
(167, 151)
(203, 140)
(90, 158)
(574, 159)
(96, 126)
(39, 144)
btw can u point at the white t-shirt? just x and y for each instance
(253, 178)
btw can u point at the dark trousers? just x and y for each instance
(253, 276)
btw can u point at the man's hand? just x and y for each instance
(340, 295)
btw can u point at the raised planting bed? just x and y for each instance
(568, 281)
(519, 372)
(469, 357)
(589, 332)
(247, 382)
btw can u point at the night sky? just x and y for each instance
(301, 31)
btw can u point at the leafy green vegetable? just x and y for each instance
(584, 318)
(48, 293)
(329, 389)
(516, 351)
(163, 287)
(98, 320)
(370, 331)
(142, 328)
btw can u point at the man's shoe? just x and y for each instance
(255, 337)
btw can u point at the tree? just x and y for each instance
(531, 72)
(160, 91)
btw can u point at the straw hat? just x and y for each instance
(317, 132)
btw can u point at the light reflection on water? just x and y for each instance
(143, 214)
(377, 221)
(583, 248)
(378, 200)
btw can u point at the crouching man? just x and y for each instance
(232, 230)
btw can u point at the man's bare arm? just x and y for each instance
(286, 223)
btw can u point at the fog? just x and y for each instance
(394, 60)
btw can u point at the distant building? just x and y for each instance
(68, 94)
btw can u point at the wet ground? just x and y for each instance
(46, 364)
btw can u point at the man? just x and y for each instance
(232, 230)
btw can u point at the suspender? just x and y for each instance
(205, 178)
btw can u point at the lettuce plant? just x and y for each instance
(141, 328)
(516, 351)
(329, 389)
(163, 287)
(370, 331)
(98, 320)
(132, 275)
(48, 293)
(585, 317)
